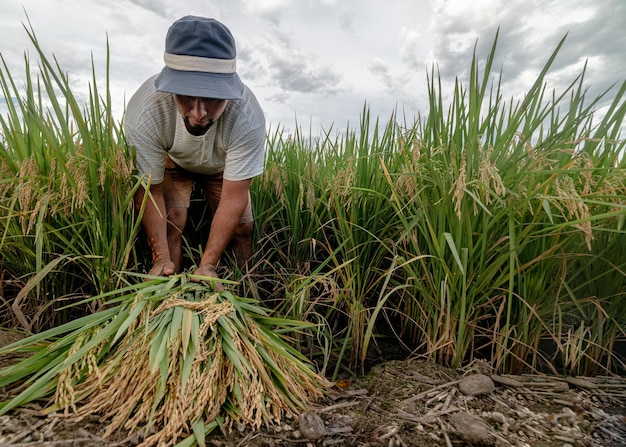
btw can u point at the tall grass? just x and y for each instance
(485, 228)
(328, 199)
(489, 228)
(66, 222)
(508, 194)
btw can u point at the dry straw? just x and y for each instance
(174, 356)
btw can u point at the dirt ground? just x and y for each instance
(400, 403)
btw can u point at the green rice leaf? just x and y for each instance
(186, 330)
(195, 329)
(188, 362)
(177, 319)
(199, 432)
(207, 429)
(454, 251)
(129, 317)
(229, 347)
(158, 347)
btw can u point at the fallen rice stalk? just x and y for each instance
(175, 360)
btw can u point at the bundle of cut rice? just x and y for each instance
(171, 358)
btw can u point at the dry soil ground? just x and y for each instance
(401, 403)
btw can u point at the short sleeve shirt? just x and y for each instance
(234, 145)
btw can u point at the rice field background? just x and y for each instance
(486, 228)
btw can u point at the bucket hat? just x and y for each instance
(200, 60)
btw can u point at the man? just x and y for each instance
(196, 122)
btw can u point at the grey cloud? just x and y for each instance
(396, 85)
(597, 38)
(249, 65)
(296, 75)
(280, 98)
(519, 51)
(454, 45)
(379, 68)
(296, 72)
(346, 20)
(159, 7)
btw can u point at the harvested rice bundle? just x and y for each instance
(174, 358)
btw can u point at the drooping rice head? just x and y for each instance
(176, 362)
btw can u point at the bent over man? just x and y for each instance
(196, 122)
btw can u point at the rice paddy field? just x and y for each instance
(487, 229)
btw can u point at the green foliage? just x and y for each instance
(66, 189)
(488, 229)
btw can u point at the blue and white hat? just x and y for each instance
(200, 60)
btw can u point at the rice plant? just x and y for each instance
(170, 354)
(66, 218)
(499, 203)
(487, 229)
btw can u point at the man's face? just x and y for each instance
(198, 113)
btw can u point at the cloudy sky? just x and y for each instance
(317, 62)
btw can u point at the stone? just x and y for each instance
(472, 429)
(476, 385)
(311, 426)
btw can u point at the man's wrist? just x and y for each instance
(210, 267)
(161, 258)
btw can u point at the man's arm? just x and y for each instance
(232, 204)
(154, 222)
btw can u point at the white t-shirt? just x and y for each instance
(234, 145)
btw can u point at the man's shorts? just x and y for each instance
(178, 185)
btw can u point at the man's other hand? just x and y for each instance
(211, 273)
(163, 268)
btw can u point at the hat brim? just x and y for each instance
(200, 84)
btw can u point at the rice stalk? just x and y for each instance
(173, 354)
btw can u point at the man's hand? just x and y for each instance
(211, 273)
(154, 222)
(163, 268)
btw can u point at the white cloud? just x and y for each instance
(409, 47)
(266, 8)
(323, 58)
